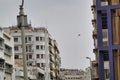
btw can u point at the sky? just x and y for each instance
(64, 19)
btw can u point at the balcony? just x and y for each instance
(52, 66)
(29, 51)
(2, 61)
(94, 34)
(93, 7)
(52, 58)
(51, 42)
(29, 42)
(1, 43)
(8, 50)
(51, 49)
(95, 50)
(93, 21)
(8, 68)
(52, 74)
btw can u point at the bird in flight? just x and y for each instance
(79, 35)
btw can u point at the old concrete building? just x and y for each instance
(7, 70)
(41, 53)
(71, 74)
(87, 74)
(36, 48)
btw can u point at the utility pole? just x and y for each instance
(22, 22)
(46, 56)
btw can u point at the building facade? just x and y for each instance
(87, 74)
(106, 36)
(95, 39)
(71, 74)
(41, 53)
(7, 69)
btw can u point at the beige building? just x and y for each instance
(55, 60)
(71, 74)
(7, 70)
(87, 74)
(95, 50)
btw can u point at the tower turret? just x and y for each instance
(21, 18)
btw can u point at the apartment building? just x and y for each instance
(40, 52)
(7, 70)
(71, 74)
(95, 39)
(106, 38)
(55, 60)
(87, 73)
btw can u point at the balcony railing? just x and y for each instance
(29, 42)
(29, 51)
(1, 43)
(8, 68)
(8, 52)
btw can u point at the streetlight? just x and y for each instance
(22, 22)
(90, 66)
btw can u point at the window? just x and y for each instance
(15, 31)
(26, 39)
(37, 46)
(42, 56)
(15, 39)
(42, 39)
(30, 64)
(37, 38)
(38, 56)
(42, 47)
(28, 48)
(107, 73)
(30, 56)
(16, 56)
(38, 64)
(16, 48)
(42, 65)
(29, 38)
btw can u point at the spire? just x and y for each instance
(21, 18)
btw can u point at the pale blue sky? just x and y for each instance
(65, 19)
